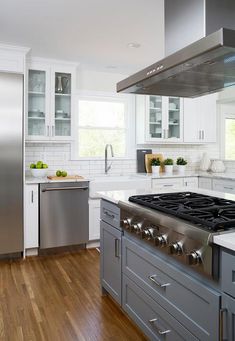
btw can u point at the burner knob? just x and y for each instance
(161, 240)
(137, 228)
(194, 258)
(146, 234)
(176, 248)
(126, 223)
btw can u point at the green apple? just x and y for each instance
(39, 164)
(32, 165)
(44, 165)
(58, 173)
(64, 173)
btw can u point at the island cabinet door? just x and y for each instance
(110, 249)
(228, 318)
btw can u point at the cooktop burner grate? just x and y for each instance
(211, 213)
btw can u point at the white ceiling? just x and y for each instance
(93, 32)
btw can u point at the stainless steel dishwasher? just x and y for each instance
(64, 217)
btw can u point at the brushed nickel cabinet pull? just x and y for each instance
(159, 330)
(221, 323)
(161, 285)
(117, 248)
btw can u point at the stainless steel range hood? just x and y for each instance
(205, 66)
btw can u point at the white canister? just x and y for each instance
(181, 169)
(217, 166)
(205, 162)
(155, 170)
(168, 169)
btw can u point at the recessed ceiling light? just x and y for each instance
(133, 45)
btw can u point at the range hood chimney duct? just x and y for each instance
(199, 49)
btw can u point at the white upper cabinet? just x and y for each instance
(200, 119)
(12, 58)
(159, 119)
(49, 103)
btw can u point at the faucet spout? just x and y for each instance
(107, 167)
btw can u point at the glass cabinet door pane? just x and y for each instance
(174, 117)
(62, 104)
(155, 116)
(36, 103)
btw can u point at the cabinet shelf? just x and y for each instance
(36, 93)
(174, 109)
(155, 109)
(62, 95)
(36, 118)
(156, 123)
(63, 119)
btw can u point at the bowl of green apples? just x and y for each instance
(39, 169)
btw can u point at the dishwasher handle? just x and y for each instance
(50, 189)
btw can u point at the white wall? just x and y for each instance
(91, 80)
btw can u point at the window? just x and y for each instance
(228, 136)
(103, 120)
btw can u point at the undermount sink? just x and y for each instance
(112, 183)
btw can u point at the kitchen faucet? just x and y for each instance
(107, 167)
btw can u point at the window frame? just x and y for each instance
(129, 102)
(226, 113)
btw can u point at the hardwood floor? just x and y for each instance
(58, 298)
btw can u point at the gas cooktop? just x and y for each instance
(209, 212)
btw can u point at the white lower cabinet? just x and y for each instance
(226, 186)
(205, 183)
(169, 183)
(31, 217)
(94, 219)
(174, 183)
(191, 182)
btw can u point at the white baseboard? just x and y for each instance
(31, 252)
(93, 244)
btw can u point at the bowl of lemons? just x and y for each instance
(39, 169)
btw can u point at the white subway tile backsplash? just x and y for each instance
(57, 155)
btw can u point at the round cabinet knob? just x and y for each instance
(175, 248)
(126, 223)
(193, 258)
(161, 240)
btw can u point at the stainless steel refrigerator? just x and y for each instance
(11, 163)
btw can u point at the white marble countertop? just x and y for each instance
(32, 180)
(225, 176)
(226, 240)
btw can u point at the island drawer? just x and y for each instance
(152, 318)
(110, 213)
(228, 273)
(188, 300)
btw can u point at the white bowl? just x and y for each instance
(39, 173)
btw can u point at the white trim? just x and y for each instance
(129, 102)
(226, 113)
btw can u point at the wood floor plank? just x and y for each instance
(58, 297)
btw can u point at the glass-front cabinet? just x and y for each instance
(62, 104)
(37, 103)
(174, 111)
(163, 119)
(154, 111)
(49, 102)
